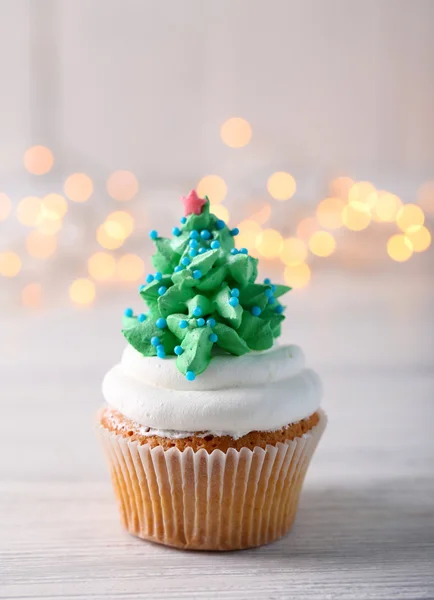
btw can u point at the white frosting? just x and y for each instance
(260, 391)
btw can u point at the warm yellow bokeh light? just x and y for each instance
(425, 197)
(29, 211)
(262, 215)
(78, 187)
(410, 216)
(293, 252)
(38, 160)
(40, 245)
(101, 266)
(340, 187)
(281, 185)
(212, 186)
(419, 237)
(32, 295)
(236, 132)
(130, 267)
(82, 291)
(399, 248)
(10, 264)
(221, 212)
(297, 276)
(119, 225)
(249, 231)
(48, 227)
(386, 207)
(356, 216)
(306, 228)
(269, 243)
(107, 241)
(329, 213)
(122, 185)
(322, 243)
(53, 207)
(5, 207)
(360, 191)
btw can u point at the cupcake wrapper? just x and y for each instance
(200, 501)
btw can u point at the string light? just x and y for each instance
(101, 266)
(269, 243)
(410, 216)
(386, 207)
(221, 212)
(322, 243)
(10, 264)
(29, 211)
(297, 276)
(119, 225)
(38, 160)
(340, 187)
(82, 291)
(214, 187)
(293, 252)
(41, 246)
(236, 132)
(419, 238)
(32, 295)
(130, 267)
(281, 185)
(425, 197)
(5, 207)
(106, 241)
(329, 213)
(78, 187)
(399, 248)
(306, 228)
(356, 216)
(122, 185)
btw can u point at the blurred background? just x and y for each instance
(309, 125)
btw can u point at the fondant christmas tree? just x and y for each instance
(203, 296)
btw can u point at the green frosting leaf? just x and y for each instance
(165, 258)
(232, 314)
(213, 280)
(173, 322)
(281, 289)
(150, 291)
(229, 340)
(201, 302)
(203, 262)
(241, 268)
(254, 295)
(173, 301)
(256, 332)
(197, 351)
(140, 338)
(128, 322)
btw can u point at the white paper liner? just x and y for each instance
(200, 501)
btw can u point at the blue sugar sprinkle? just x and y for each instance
(200, 322)
(183, 220)
(162, 290)
(193, 252)
(150, 278)
(178, 350)
(197, 274)
(158, 276)
(205, 234)
(279, 309)
(153, 234)
(271, 300)
(256, 311)
(215, 244)
(161, 323)
(141, 287)
(177, 269)
(194, 243)
(183, 324)
(160, 348)
(244, 251)
(235, 231)
(220, 224)
(211, 322)
(273, 288)
(155, 341)
(197, 312)
(194, 234)
(161, 353)
(213, 338)
(202, 250)
(235, 292)
(190, 376)
(234, 251)
(141, 318)
(234, 301)
(185, 261)
(128, 312)
(268, 293)
(176, 231)
(267, 280)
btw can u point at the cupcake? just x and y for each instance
(209, 424)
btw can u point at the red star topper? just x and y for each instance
(192, 203)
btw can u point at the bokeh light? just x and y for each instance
(410, 216)
(322, 243)
(122, 185)
(29, 211)
(130, 267)
(48, 227)
(5, 207)
(221, 212)
(425, 197)
(82, 291)
(269, 243)
(10, 264)
(249, 231)
(32, 295)
(236, 132)
(53, 207)
(360, 191)
(293, 252)
(214, 187)
(356, 216)
(399, 248)
(297, 276)
(101, 266)
(262, 215)
(386, 207)
(40, 245)
(306, 228)
(329, 213)
(419, 237)
(281, 185)
(106, 241)
(119, 225)
(38, 160)
(340, 187)
(78, 187)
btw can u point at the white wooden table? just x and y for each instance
(365, 528)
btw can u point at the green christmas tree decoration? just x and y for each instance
(204, 296)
